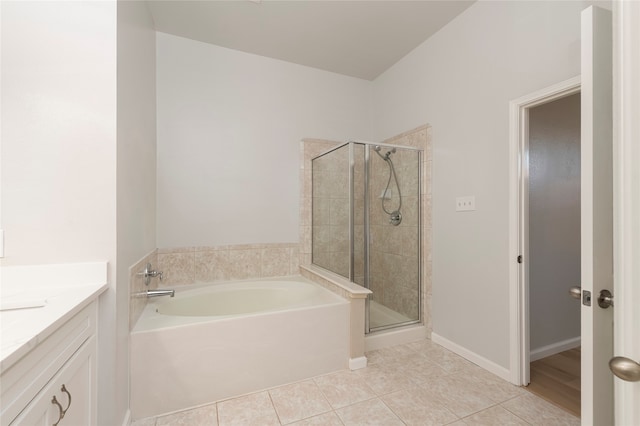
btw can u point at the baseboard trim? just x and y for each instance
(554, 348)
(357, 363)
(480, 361)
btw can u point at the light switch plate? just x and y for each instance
(466, 204)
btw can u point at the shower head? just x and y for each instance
(378, 148)
(387, 156)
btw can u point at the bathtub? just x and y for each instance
(216, 341)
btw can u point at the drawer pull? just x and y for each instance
(61, 412)
(64, 389)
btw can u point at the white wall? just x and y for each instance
(554, 222)
(66, 153)
(461, 81)
(59, 152)
(58, 131)
(229, 124)
(136, 180)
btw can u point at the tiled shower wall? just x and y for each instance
(393, 248)
(393, 253)
(394, 261)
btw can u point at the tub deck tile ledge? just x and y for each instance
(353, 290)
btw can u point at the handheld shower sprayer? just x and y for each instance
(395, 217)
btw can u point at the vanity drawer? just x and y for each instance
(27, 377)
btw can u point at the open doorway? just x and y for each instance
(543, 345)
(552, 190)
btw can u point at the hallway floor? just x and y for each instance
(557, 379)
(419, 383)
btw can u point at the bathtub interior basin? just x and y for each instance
(242, 298)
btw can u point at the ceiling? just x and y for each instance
(356, 38)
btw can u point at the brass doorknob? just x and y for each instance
(625, 368)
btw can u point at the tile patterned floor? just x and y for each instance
(419, 383)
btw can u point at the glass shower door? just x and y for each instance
(394, 236)
(330, 233)
(366, 226)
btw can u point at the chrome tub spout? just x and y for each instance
(156, 293)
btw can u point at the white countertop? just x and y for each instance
(36, 300)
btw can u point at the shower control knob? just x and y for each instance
(395, 218)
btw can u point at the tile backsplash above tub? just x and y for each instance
(188, 265)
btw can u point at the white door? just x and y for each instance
(597, 216)
(627, 207)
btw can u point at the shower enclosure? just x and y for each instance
(366, 225)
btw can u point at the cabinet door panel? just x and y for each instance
(79, 387)
(77, 377)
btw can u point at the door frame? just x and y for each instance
(519, 222)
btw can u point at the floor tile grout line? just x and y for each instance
(312, 380)
(310, 417)
(498, 404)
(323, 395)
(338, 416)
(274, 408)
(394, 413)
(515, 414)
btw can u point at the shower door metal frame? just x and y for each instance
(352, 164)
(419, 248)
(366, 224)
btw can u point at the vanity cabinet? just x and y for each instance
(55, 382)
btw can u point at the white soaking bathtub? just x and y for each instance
(219, 340)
